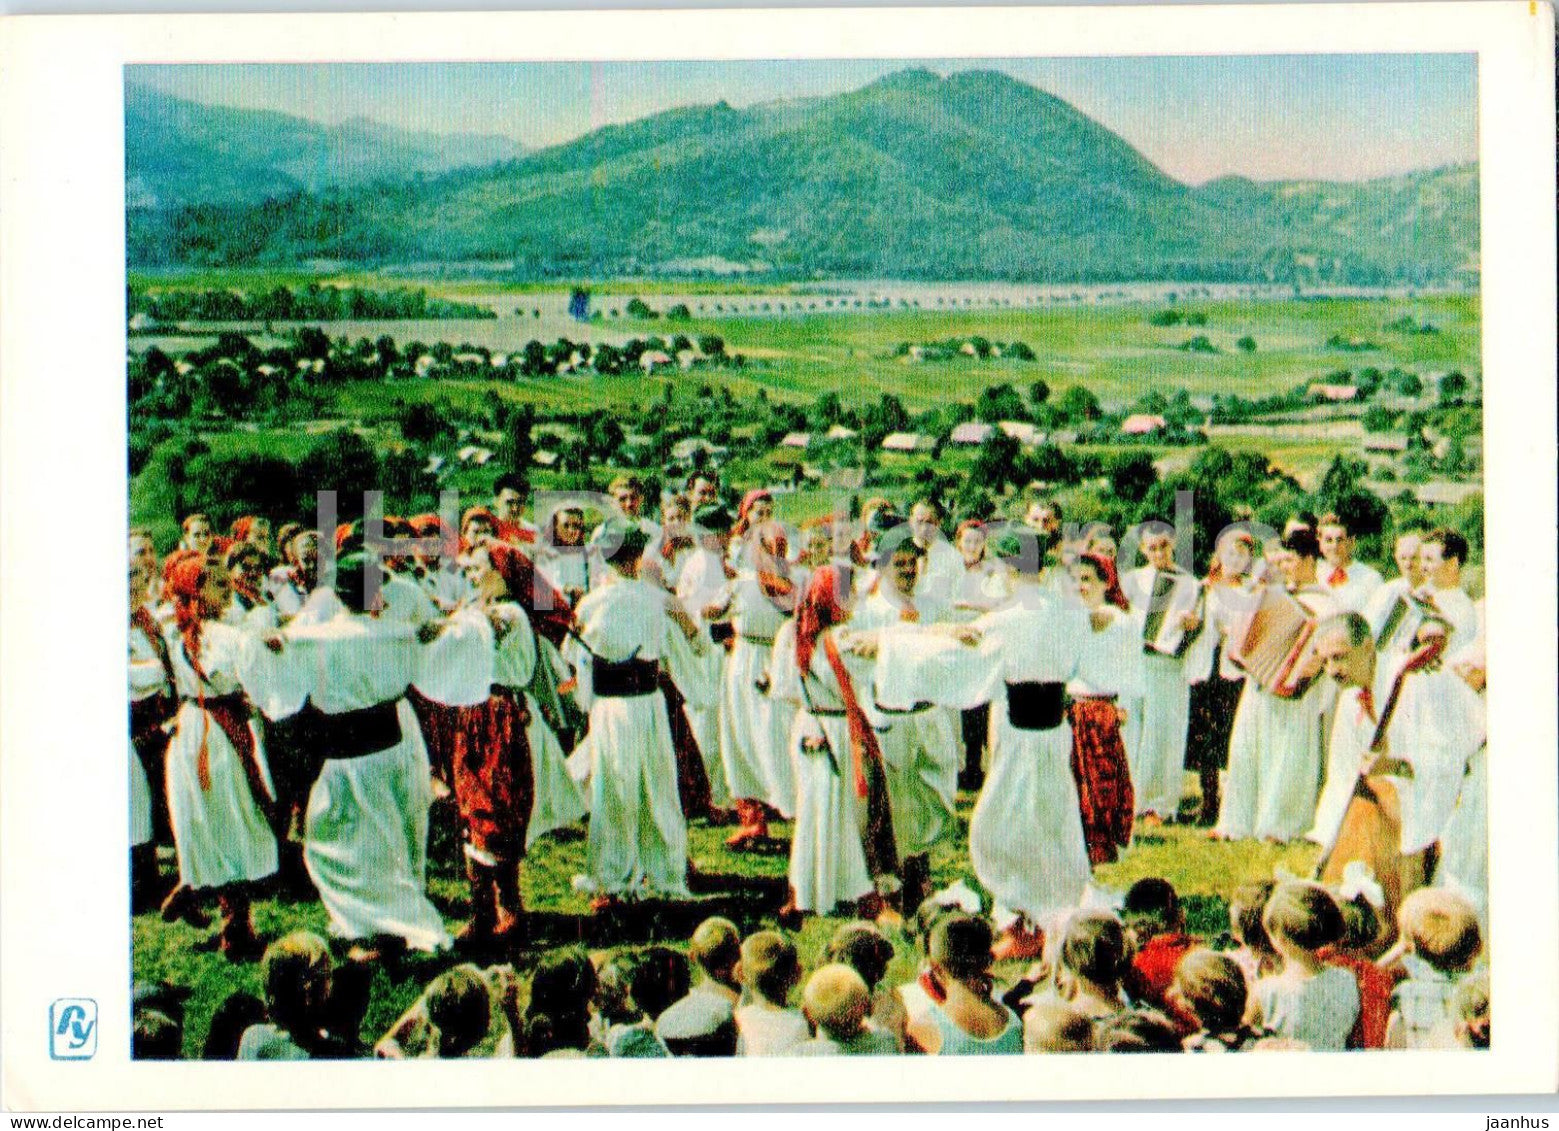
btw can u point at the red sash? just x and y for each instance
(871, 783)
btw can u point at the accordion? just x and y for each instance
(1400, 628)
(1173, 595)
(1270, 643)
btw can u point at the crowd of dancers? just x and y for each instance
(300, 698)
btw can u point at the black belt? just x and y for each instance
(721, 631)
(1036, 706)
(351, 734)
(625, 680)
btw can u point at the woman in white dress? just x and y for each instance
(835, 756)
(754, 728)
(217, 778)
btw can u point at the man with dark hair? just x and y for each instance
(1441, 555)
(703, 489)
(1275, 750)
(510, 495)
(1352, 582)
(638, 836)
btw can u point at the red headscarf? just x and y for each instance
(744, 511)
(548, 608)
(185, 577)
(242, 526)
(820, 608)
(1112, 582)
(173, 560)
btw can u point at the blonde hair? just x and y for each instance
(1303, 914)
(715, 945)
(1470, 1008)
(296, 970)
(770, 966)
(1094, 947)
(837, 1000)
(1213, 985)
(1051, 1025)
(1442, 928)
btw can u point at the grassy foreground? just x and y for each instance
(747, 887)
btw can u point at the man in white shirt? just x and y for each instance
(941, 566)
(1404, 553)
(1441, 556)
(1350, 582)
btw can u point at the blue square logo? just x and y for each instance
(73, 1028)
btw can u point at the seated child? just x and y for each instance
(460, 1009)
(1154, 926)
(232, 1019)
(866, 950)
(1306, 1000)
(297, 972)
(1053, 1025)
(703, 1021)
(557, 1017)
(1253, 950)
(1211, 987)
(1360, 932)
(350, 990)
(766, 1025)
(1091, 965)
(1470, 1013)
(1137, 1030)
(962, 1018)
(624, 1030)
(1441, 939)
(836, 1000)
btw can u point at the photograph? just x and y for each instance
(691, 539)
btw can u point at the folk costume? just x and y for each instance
(1157, 728)
(1216, 684)
(1351, 586)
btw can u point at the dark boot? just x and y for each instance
(183, 904)
(1210, 797)
(237, 939)
(917, 884)
(147, 889)
(478, 933)
(508, 909)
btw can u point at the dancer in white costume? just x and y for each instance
(638, 837)
(1156, 739)
(919, 738)
(829, 845)
(217, 779)
(151, 708)
(1026, 837)
(754, 728)
(703, 588)
(365, 826)
(1275, 750)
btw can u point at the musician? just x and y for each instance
(1346, 648)
(1404, 554)
(1352, 582)
(1441, 557)
(1157, 745)
(1275, 750)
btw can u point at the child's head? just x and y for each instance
(660, 977)
(960, 948)
(769, 966)
(837, 1000)
(1151, 908)
(1470, 1011)
(558, 1014)
(1245, 910)
(1137, 1030)
(1051, 1025)
(351, 988)
(1302, 916)
(1212, 986)
(459, 1004)
(1360, 923)
(237, 1012)
(1441, 927)
(155, 1036)
(863, 948)
(716, 948)
(1094, 950)
(297, 972)
(613, 988)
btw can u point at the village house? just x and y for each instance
(1022, 432)
(1143, 424)
(970, 432)
(907, 442)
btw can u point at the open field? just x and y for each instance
(747, 887)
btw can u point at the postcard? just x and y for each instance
(690, 536)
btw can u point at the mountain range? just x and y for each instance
(975, 175)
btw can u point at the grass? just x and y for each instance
(747, 887)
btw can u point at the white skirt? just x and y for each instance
(556, 801)
(755, 732)
(638, 838)
(1157, 753)
(365, 845)
(1274, 767)
(140, 802)
(827, 860)
(220, 833)
(1026, 836)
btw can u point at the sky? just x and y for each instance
(1271, 117)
